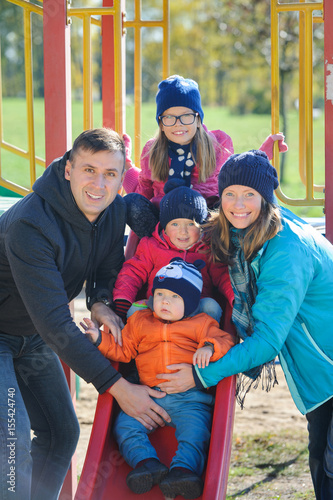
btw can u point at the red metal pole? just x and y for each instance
(328, 57)
(58, 130)
(108, 86)
(57, 80)
(110, 105)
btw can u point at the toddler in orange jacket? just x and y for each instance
(157, 338)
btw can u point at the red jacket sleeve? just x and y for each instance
(134, 273)
(219, 274)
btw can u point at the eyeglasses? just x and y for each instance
(171, 120)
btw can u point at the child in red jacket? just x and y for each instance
(156, 338)
(178, 234)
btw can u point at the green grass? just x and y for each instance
(270, 466)
(247, 132)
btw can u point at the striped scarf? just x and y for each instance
(245, 290)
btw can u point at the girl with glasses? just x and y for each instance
(183, 153)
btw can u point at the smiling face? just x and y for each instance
(183, 233)
(241, 205)
(95, 179)
(179, 133)
(168, 305)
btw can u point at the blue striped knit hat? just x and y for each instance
(178, 91)
(184, 279)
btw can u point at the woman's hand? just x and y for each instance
(180, 381)
(135, 400)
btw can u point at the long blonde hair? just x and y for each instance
(204, 157)
(264, 228)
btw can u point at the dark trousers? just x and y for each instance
(34, 396)
(320, 427)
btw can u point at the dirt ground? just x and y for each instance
(272, 412)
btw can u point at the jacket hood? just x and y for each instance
(55, 189)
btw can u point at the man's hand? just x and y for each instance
(180, 381)
(103, 315)
(135, 400)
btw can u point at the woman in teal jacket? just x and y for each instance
(281, 271)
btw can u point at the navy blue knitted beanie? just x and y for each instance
(184, 279)
(251, 169)
(182, 203)
(178, 91)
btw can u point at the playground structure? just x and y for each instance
(111, 19)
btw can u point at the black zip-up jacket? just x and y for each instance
(48, 248)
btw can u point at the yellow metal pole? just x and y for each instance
(305, 10)
(137, 81)
(90, 11)
(118, 67)
(137, 24)
(29, 93)
(301, 98)
(166, 39)
(87, 74)
(28, 5)
(296, 6)
(275, 81)
(309, 104)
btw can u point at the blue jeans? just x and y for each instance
(34, 396)
(191, 415)
(320, 427)
(206, 305)
(210, 307)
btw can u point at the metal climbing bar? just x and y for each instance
(28, 154)
(138, 24)
(306, 20)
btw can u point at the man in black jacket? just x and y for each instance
(68, 231)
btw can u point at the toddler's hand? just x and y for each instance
(202, 356)
(90, 330)
(128, 149)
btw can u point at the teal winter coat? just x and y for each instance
(293, 315)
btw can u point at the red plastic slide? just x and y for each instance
(104, 472)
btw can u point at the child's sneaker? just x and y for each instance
(181, 481)
(145, 475)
